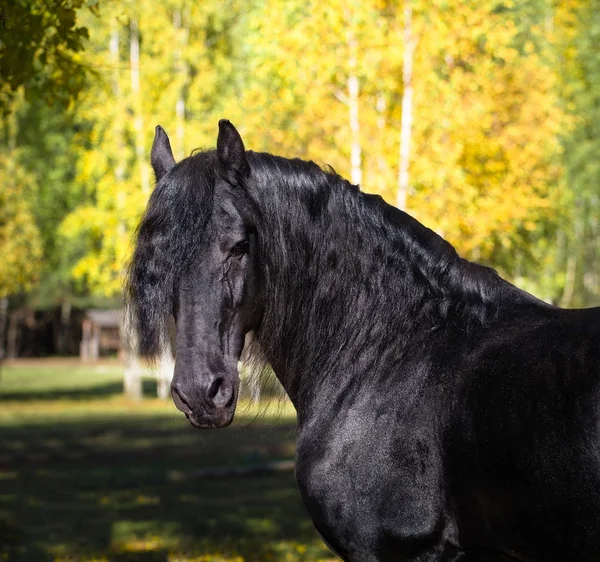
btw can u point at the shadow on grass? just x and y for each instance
(97, 391)
(124, 489)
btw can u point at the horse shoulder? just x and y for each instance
(370, 473)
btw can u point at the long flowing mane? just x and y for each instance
(368, 270)
(345, 242)
(166, 242)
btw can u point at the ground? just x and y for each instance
(86, 475)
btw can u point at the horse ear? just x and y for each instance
(161, 156)
(231, 154)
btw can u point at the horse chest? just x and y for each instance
(366, 494)
(338, 497)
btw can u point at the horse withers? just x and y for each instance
(443, 414)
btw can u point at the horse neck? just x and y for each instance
(347, 287)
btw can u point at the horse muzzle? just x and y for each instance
(210, 407)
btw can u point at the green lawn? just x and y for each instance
(87, 475)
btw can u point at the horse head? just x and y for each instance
(214, 283)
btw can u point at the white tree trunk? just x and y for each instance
(134, 59)
(381, 107)
(132, 380)
(116, 88)
(353, 93)
(164, 376)
(573, 265)
(407, 109)
(181, 24)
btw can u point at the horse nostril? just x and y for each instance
(180, 401)
(219, 393)
(214, 388)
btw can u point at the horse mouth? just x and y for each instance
(208, 424)
(200, 415)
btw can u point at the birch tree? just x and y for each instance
(407, 107)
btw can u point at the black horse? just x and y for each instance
(443, 414)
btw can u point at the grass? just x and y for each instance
(86, 475)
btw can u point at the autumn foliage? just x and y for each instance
(488, 117)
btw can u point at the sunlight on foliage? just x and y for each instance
(485, 165)
(503, 142)
(20, 244)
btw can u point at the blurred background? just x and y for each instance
(480, 118)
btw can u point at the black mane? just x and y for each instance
(166, 242)
(362, 262)
(311, 220)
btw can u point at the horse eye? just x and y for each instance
(240, 249)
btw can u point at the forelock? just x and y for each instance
(166, 243)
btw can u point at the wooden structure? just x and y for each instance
(101, 333)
